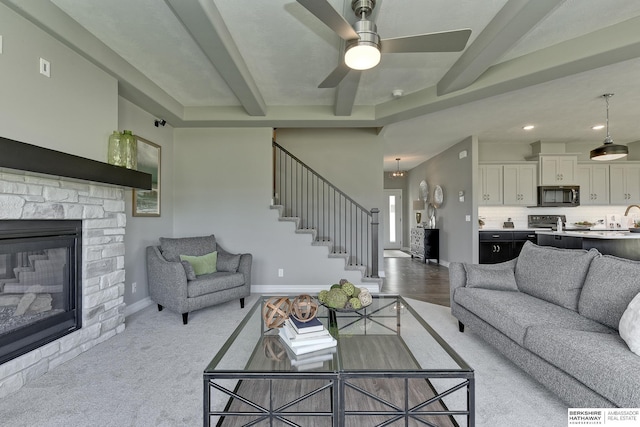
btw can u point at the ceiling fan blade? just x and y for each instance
(445, 41)
(336, 76)
(331, 18)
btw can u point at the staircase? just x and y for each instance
(332, 218)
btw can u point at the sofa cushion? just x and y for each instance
(214, 282)
(513, 312)
(553, 274)
(600, 361)
(630, 325)
(204, 264)
(195, 246)
(228, 262)
(491, 276)
(610, 286)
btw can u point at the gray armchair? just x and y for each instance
(173, 284)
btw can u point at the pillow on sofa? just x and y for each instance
(188, 269)
(228, 262)
(552, 274)
(610, 286)
(195, 246)
(491, 276)
(630, 325)
(204, 264)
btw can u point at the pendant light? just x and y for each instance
(397, 173)
(608, 150)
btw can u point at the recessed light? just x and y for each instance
(597, 127)
(528, 127)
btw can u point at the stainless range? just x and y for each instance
(546, 221)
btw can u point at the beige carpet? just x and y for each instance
(151, 375)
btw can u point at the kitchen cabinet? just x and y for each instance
(593, 180)
(624, 184)
(500, 246)
(519, 184)
(490, 185)
(558, 241)
(558, 169)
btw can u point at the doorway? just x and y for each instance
(392, 217)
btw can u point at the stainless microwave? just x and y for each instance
(559, 195)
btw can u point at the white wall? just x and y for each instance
(458, 237)
(73, 111)
(145, 231)
(222, 186)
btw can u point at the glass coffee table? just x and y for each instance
(389, 368)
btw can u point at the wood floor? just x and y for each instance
(412, 278)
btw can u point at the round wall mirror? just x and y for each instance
(424, 191)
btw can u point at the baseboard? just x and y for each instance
(137, 306)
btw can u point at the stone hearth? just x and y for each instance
(102, 211)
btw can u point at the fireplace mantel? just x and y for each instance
(32, 158)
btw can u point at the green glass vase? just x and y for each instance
(129, 149)
(114, 154)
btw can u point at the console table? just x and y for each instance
(425, 244)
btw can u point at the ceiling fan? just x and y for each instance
(363, 44)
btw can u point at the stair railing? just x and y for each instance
(337, 219)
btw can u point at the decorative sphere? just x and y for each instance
(273, 349)
(275, 311)
(365, 298)
(304, 308)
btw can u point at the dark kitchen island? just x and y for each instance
(623, 244)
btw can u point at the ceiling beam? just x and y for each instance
(607, 46)
(203, 21)
(513, 21)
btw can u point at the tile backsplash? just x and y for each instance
(495, 216)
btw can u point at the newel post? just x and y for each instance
(374, 242)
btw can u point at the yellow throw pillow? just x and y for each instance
(204, 264)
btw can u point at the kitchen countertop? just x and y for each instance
(593, 234)
(494, 229)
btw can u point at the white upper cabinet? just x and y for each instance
(490, 185)
(593, 180)
(624, 184)
(519, 184)
(558, 169)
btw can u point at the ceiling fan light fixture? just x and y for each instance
(362, 56)
(364, 52)
(608, 150)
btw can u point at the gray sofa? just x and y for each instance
(555, 314)
(174, 284)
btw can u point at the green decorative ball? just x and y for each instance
(355, 303)
(348, 288)
(336, 298)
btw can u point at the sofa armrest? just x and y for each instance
(458, 274)
(457, 279)
(167, 281)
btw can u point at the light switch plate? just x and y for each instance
(45, 67)
(0, 44)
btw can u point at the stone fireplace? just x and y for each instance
(100, 209)
(40, 292)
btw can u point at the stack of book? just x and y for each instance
(309, 344)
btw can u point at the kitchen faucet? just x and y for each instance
(629, 207)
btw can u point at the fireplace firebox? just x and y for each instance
(40, 281)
